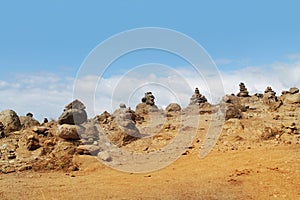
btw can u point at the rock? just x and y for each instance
(103, 155)
(197, 98)
(270, 133)
(291, 98)
(149, 99)
(2, 130)
(271, 99)
(27, 121)
(74, 113)
(122, 105)
(173, 107)
(29, 115)
(10, 121)
(46, 120)
(88, 149)
(40, 130)
(70, 132)
(73, 116)
(32, 143)
(294, 90)
(76, 104)
(25, 168)
(243, 91)
(233, 107)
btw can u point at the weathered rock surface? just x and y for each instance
(70, 132)
(28, 121)
(74, 113)
(173, 107)
(10, 121)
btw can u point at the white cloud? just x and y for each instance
(46, 94)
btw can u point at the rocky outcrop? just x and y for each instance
(74, 113)
(10, 121)
(233, 107)
(243, 91)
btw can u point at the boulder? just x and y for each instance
(291, 98)
(70, 132)
(10, 121)
(73, 116)
(76, 104)
(294, 90)
(27, 121)
(32, 143)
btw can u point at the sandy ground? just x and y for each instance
(266, 172)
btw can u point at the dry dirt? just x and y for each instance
(266, 172)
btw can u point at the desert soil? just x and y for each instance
(270, 171)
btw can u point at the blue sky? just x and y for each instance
(54, 37)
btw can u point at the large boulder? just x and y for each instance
(28, 121)
(73, 116)
(70, 132)
(291, 98)
(10, 121)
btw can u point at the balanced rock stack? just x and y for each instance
(197, 98)
(271, 99)
(70, 120)
(243, 91)
(147, 105)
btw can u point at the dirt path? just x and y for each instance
(268, 172)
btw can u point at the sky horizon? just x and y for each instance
(43, 45)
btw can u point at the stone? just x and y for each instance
(10, 121)
(122, 105)
(40, 130)
(2, 130)
(291, 98)
(173, 107)
(197, 98)
(76, 104)
(103, 155)
(271, 99)
(27, 121)
(73, 116)
(88, 149)
(32, 143)
(29, 115)
(243, 91)
(70, 132)
(149, 99)
(294, 90)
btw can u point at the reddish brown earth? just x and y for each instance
(267, 172)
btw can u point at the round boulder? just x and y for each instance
(10, 121)
(70, 132)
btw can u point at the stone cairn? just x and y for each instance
(269, 95)
(70, 120)
(243, 91)
(147, 105)
(197, 98)
(271, 99)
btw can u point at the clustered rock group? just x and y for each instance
(28, 144)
